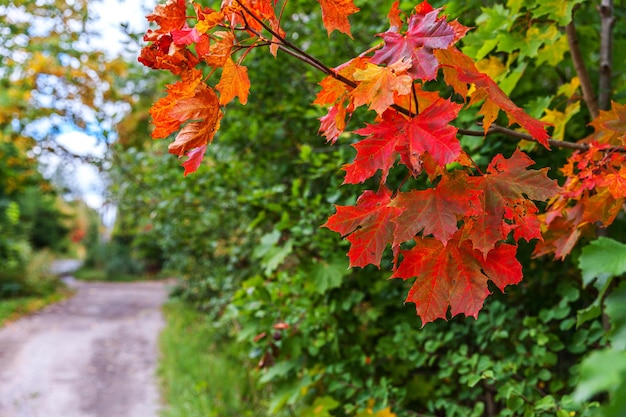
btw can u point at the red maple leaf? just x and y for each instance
(427, 132)
(507, 185)
(455, 276)
(426, 32)
(435, 210)
(368, 226)
(195, 159)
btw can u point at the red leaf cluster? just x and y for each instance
(452, 230)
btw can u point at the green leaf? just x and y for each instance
(589, 313)
(546, 403)
(615, 307)
(559, 10)
(601, 371)
(327, 275)
(603, 259)
(320, 407)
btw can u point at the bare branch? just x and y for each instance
(581, 69)
(607, 21)
(525, 136)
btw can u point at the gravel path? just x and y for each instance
(93, 355)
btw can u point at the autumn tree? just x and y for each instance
(454, 211)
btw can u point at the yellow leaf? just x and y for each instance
(491, 66)
(553, 53)
(559, 119)
(570, 88)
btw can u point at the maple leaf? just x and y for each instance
(367, 225)
(185, 36)
(233, 83)
(610, 125)
(427, 132)
(376, 152)
(195, 159)
(335, 15)
(455, 276)
(377, 85)
(616, 183)
(333, 89)
(236, 10)
(522, 221)
(219, 52)
(203, 106)
(435, 210)
(334, 123)
(426, 32)
(459, 70)
(507, 184)
(169, 16)
(188, 101)
(162, 118)
(207, 18)
(164, 54)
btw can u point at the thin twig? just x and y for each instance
(607, 21)
(494, 128)
(291, 49)
(581, 69)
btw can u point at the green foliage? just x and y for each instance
(202, 372)
(244, 233)
(604, 371)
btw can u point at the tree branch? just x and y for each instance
(291, 49)
(494, 128)
(581, 69)
(607, 21)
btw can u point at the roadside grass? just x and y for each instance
(201, 372)
(93, 274)
(97, 274)
(35, 288)
(13, 308)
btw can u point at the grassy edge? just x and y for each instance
(200, 375)
(15, 308)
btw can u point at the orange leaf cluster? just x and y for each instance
(595, 186)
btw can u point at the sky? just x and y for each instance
(110, 14)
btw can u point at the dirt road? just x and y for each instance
(93, 355)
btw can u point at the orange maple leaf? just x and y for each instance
(378, 84)
(616, 183)
(219, 52)
(610, 125)
(169, 16)
(162, 118)
(459, 70)
(203, 109)
(335, 15)
(234, 83)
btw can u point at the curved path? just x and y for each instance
(93, 355)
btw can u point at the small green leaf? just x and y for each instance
(327, 275)
(603, 259)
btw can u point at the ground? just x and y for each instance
(93, 355)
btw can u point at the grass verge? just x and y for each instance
(201, 375)
(13, 308)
